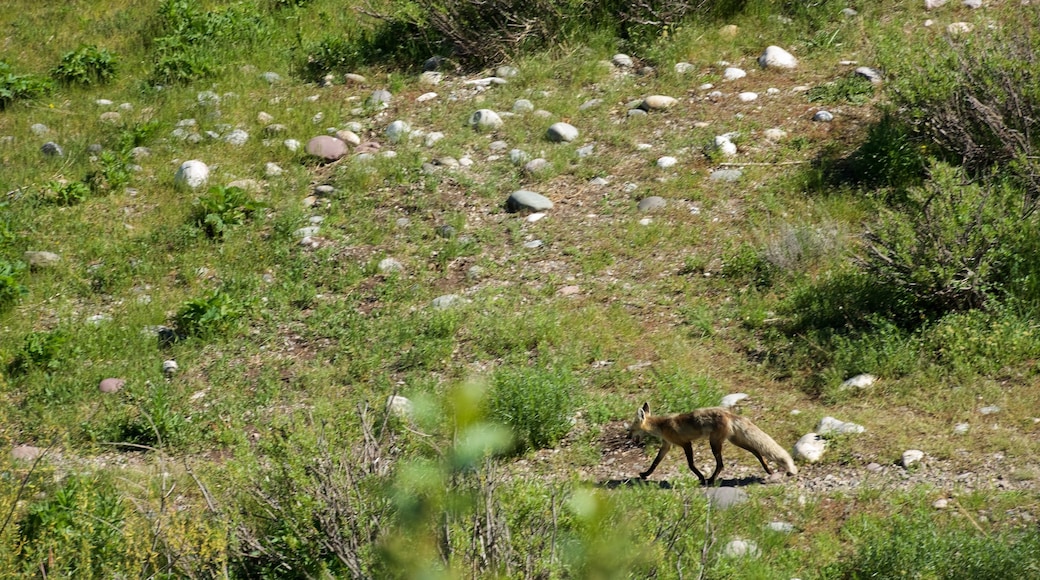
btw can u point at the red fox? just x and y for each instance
(718, 425)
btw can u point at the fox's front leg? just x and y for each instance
(665, 446)
(688, 448)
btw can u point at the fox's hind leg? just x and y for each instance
(716, 450)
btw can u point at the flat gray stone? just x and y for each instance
(528, 200)
(725, 497)
(725, 175)
(651, 203)
(41, 259)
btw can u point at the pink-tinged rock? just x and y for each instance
(326, 147)
(26, 452)
(111, 385)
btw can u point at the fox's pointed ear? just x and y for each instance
(646, 407)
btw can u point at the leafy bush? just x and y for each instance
(71, 193)
(392, 41)
(854, 89)
(75, 531)
(187, 38)
(950, 246)
(209, 315)
(18, 87)
(536, 403)
(891, 156)
(975, 99)
(39, 350)
(86, 65)
(113, 174)
(11, 289)
(222, 208)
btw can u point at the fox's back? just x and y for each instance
(695, 424)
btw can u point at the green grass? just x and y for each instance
(268, 449)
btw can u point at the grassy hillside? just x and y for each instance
(259, 325)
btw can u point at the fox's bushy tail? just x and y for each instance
(746, 434)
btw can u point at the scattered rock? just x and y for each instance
(989, 410)
(389, 265)
(536, 165)
(860, 381)
(682, 68)
(774, 134)
(651, 203)
(911, 456)
(658, 102)
(399, 406)
(832, 426)
(41, 259)
(933, 4)
(823, 117)
(622, 61)
(741, 549)
(39, 129)
(667, 162)
(485, 119)
(941, 503)
(521, 106)
(237, 137)
(528, 200)
(52, 149)
(379, 99)
(733, 73)
(810, 448)
(956, 28)
(961, 428)
(426, 97)
(326, 147)
(781, 527)
(724, 146)
(169, 367)
(398, 131)
(271, 77)
(348, 137)
(872, 75)
(111, 385)
(446, 301)
(725, 497)
(561, 132)
(26, 452)
(191, 174)
(776, 57)
(355, 78)
(726, 175)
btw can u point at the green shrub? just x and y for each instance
(536, 403)
(86, 65)
(40, 350)
(974, 98)
(209, 316)
(891, 156)
(190, 41)
(19, 87)
(74, 531)
(113, 173)
(223, 208)
(951, 245)
(854, 89)
(11, 289)
(71, 193)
